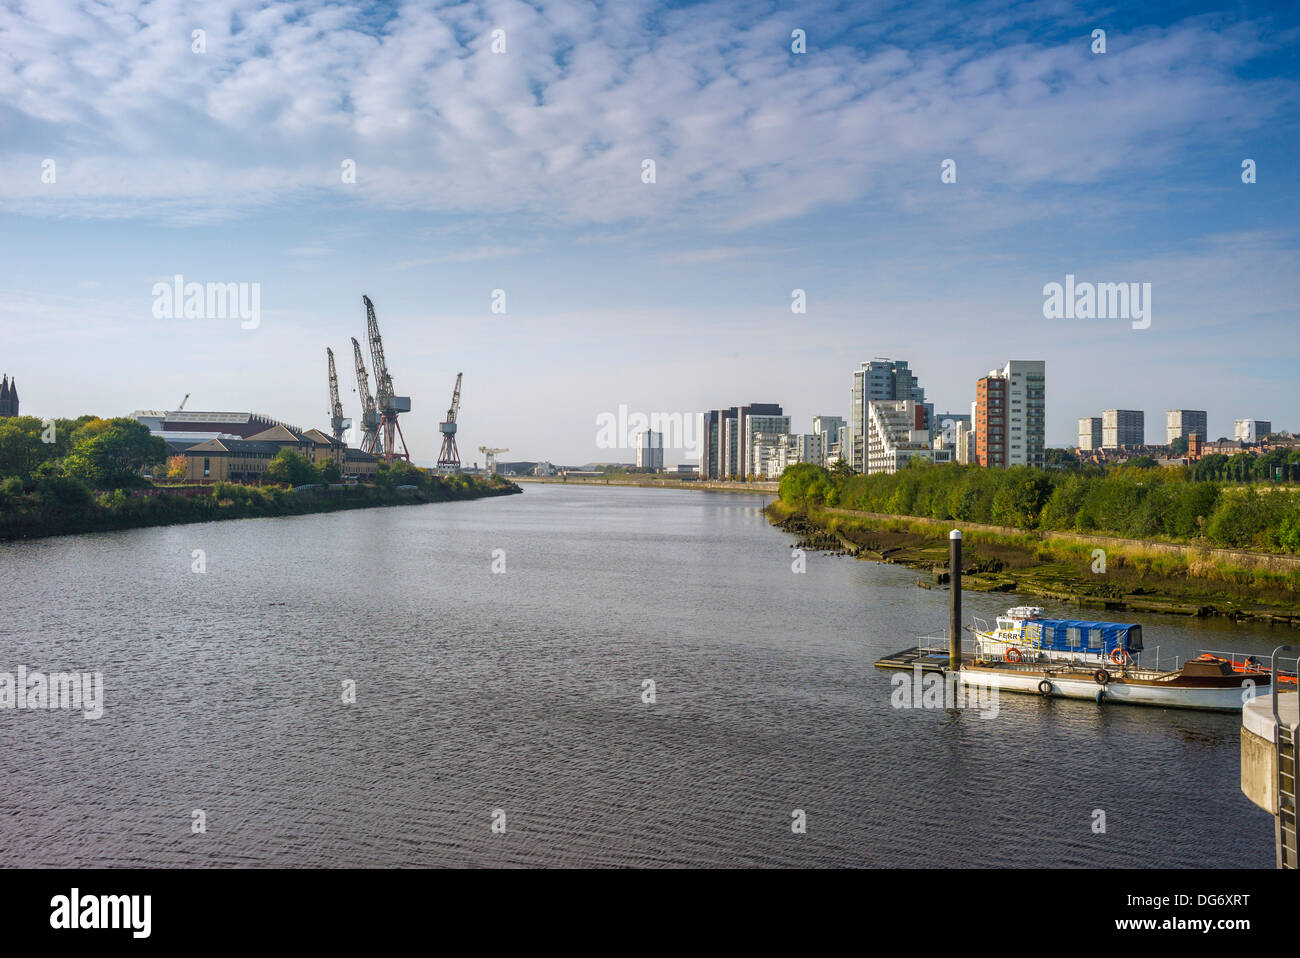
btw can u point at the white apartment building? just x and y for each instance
(772, 452)
(1090, 433)
(880, 379)
(896, 434)
(1251, 430)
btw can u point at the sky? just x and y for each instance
(133, 150)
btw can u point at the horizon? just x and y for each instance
(775, 171)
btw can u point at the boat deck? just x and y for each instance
(929, 657)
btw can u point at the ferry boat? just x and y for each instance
(1073, 658)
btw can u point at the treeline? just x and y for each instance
(90, 474)
(1131, 502)
(63, 506)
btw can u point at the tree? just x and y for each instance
(111, 453)
(177, 466)
(21, 449)
(291, 468)
(330, 471)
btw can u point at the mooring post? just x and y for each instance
(954, 600)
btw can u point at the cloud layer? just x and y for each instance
(742, 130)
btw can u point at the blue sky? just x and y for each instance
(522, 171)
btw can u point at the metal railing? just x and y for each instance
(1284, 739)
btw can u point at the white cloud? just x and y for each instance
(742, 131)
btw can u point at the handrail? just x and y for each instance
(1277, 717)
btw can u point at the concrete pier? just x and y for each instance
(1259, 759)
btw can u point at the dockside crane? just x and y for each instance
(388, 404)
(490, 460)
(449, 457)
(338, 424)
(369, 415)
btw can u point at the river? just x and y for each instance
(515, 697)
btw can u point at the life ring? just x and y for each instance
(1044, 687)
(1102, 677)
(1118, 656)
(1013, 655)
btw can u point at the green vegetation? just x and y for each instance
(1136, 501)
(90, 474)
(1027, 523)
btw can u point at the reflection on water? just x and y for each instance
(522, 692)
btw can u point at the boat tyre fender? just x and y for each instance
(1045, 687)
(1102, 677)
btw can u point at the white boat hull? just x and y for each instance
(1226, 699)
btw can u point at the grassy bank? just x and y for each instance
(1188, 581)
(62, 507)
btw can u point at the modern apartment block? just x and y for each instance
(726, 437)
(772, 452)
(1181, 423)
(1090, 433)
(650, 450)
(878, 381)
(1251, 430)
(829, 431)
(897, 433)
(1122, 427)
(1010, 410)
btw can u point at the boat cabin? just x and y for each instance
(1080, 636)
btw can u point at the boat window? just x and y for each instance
(1034, 630)
(1135, 639)
(1074, 637)
(1094, 638)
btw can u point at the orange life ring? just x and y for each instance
(1013, 655)
(1118, 656)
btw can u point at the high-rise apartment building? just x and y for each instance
(650, 450)
(726, 438)
(1251, 430)
(1181, 423)
(829, 433)
(1090, 433)
(879, 380)
(896, 434)
(1122, 427)
(1010, 410)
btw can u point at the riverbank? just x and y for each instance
(1097, 572)
(36, 515)
(651, 482)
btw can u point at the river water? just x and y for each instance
(515, 697)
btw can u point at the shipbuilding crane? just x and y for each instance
(338, 424)
(388, 404)
(369, 415)
(449, 457)
(491, 458)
